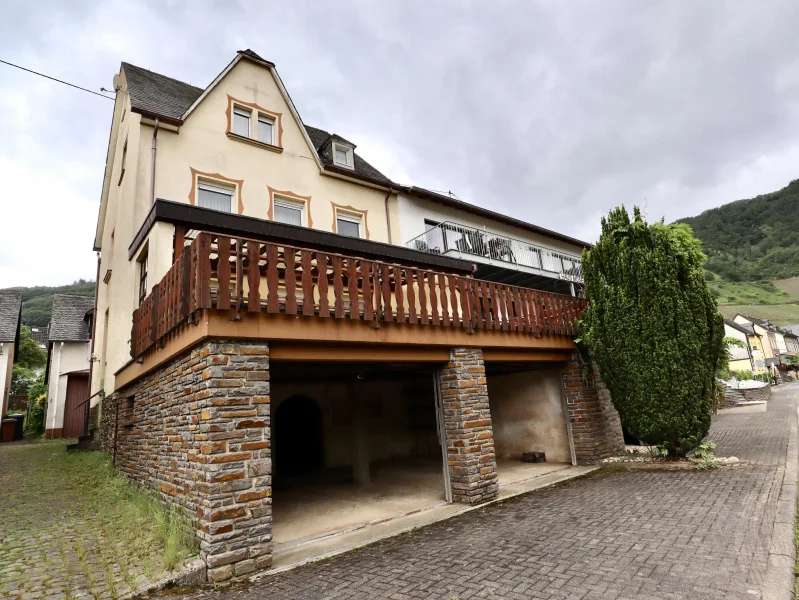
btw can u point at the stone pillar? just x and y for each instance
(235, 503)
(467, 421)
(595, 424)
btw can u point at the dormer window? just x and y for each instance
(343, 156)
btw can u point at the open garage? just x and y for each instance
(353, 444)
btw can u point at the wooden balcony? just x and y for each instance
(238, 278)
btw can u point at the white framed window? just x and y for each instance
(215, 196)
(289, 212)
(349, 225)
(241, 121)
(343, 156)
(266, 129)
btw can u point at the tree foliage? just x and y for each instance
(752, 239)
(29, 354)
(653, 328)
(37, 302)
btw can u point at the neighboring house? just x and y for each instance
(267, 309)
(791, 341)
(741, 358)
(771, 351)
(39, 335)
(68, 365)
(10, 320)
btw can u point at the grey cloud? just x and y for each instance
(550, 111)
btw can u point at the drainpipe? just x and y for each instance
(55, 394)
(152, 171)
(388, 219)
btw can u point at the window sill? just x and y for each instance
(252, 142)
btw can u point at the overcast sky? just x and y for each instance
(552, 112)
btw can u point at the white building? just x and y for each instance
(69, 362)
(10, 318)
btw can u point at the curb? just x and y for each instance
(192, 574)
(780, 578)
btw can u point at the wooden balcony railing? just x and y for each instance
(243, 275)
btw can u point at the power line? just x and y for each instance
(54, 79)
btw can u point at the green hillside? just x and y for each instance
(37, 302)
(751, 240)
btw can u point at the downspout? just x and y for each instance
(152, 169)
(388, 218)
(55, 394)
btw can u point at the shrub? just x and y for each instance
(653, 328)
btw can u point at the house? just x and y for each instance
(748, 357)
(277, 320)
(10, 320)
(68, 365)
(771, 350)
(40, 335)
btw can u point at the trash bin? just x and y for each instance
(7, 427)
(19, 431)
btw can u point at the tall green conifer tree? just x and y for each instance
(653, 328)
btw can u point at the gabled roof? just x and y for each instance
(10, 314)
(747, 329)
(794, 329)
(156, 95)
(39, 334)
(70, 322)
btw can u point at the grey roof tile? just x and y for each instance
(10, 310)
(69, 322)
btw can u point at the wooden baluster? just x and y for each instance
(442, 292)
(453, 300)
(528, 311)
(253, 277)
(502, 308)
(466, 304)
(368, 300)
(291, 280)
(378, 315)
(398, 274)
(385, 276)
(205, 271)
(352, 288)
(486, 319)
(223, 273)
(422, 279)
(153, 310)
(272, 280)
(324, 302)
(338, 287)
(308, 301)
(411, 282)
(185, 278)
(520, 309)
(431, 279)
(239, 278)
(134, 334)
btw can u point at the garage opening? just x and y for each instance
(528, 419)
(352, 444)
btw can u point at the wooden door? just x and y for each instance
(75, 418)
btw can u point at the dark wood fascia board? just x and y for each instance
(203, 219)
(351, 174)
(161, 118)
(490, 214)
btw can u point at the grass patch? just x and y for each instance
(778, 314)
(130, 516)
(748, 292)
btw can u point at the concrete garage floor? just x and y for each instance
(326, 514)
(319, 505)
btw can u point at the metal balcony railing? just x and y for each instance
(452, 237)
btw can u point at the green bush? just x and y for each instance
(653, 328)
(35, 422)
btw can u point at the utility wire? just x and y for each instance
(54, 79)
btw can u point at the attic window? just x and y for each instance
(241, 121)
(343, 156)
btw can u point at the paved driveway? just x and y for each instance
(642, 535)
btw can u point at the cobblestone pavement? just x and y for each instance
(53, 543)
(622, 534)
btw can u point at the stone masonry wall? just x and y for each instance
(759, 393)
(467, 420)
(595, 423)
(198, 432)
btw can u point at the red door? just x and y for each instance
(75, 418)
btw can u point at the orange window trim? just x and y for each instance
(270, 213)
(351, 209)
(278, 117)
(195, 174)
